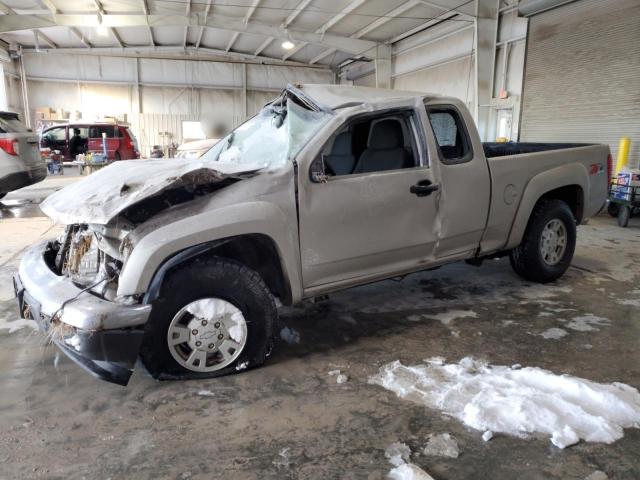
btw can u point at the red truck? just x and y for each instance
(75, 138)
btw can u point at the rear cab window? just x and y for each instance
(453, 141)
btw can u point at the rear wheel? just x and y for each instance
(623, 216)
(548, 243)
(214, 317)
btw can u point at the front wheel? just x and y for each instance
(214, 317)
(548, 243)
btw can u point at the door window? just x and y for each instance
(451, 135)
(97, 130)
(368, 145)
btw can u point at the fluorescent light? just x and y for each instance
(287, 45)
(102, 31)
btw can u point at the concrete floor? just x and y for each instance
(291, 419)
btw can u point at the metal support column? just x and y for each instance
(243, 93)
(486, 32)
(383, 66)
(25, 92)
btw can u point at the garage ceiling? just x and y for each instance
(323, 32)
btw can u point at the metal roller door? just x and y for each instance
(582, 74)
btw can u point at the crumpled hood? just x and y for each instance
(104, 194)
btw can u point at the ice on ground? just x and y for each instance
(450, 315)
(205, 393)
(340, 378)
(18, 324)
(633, 302)
(443, 445)
(408, 471)
(398, 453)
(597, 475)
(282, 460)
(518, 401)
(290, 335)
(554, 333)
(488, 435)
(587, 323)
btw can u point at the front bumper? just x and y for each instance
(102, 337)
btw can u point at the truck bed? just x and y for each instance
(494, 149)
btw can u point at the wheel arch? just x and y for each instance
(568, 183)
(257, 251)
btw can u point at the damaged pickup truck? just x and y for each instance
(182, 263)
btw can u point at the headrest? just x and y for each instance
(385, 135)
(342, 144)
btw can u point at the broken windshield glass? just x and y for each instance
(269, 139)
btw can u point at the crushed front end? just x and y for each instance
(69, 287)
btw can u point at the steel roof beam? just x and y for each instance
(297, 10)
(355, 46)
(247, 18)
(328, 24)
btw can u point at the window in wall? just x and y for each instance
(192, 131)
(373, 144)
(450, 134)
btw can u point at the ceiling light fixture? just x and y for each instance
(102, 31)
(288, 45)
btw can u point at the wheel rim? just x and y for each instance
(553, 242)
(207, 335)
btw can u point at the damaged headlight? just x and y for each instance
(90, 258)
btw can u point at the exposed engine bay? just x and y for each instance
(92, 256)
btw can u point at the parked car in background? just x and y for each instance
(20, 162)
(75, 138)
(196, 148)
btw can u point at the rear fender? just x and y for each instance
(538, 186)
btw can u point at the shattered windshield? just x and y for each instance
(270, 138)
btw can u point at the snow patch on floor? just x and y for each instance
(442, 445)
(399, 455)
(518, 402)
(409, 471)
(554, 333)
(587, 323)
(290, 335)
(450, 315)
(18, 324)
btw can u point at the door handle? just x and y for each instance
(424, 188)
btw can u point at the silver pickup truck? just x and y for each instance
(182, 262)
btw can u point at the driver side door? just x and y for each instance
(368, 222)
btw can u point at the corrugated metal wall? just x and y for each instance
(582, 76)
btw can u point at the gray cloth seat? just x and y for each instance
(341, 160)
(385, 150)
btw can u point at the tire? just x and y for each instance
(623, 216)
(613, 209)
(527, 258)
(202, 278)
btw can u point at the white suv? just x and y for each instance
(20, 161)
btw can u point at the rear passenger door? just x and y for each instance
(368, 204)
(464, 178)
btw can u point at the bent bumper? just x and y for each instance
(101, 336)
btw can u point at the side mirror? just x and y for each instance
(317, 172)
